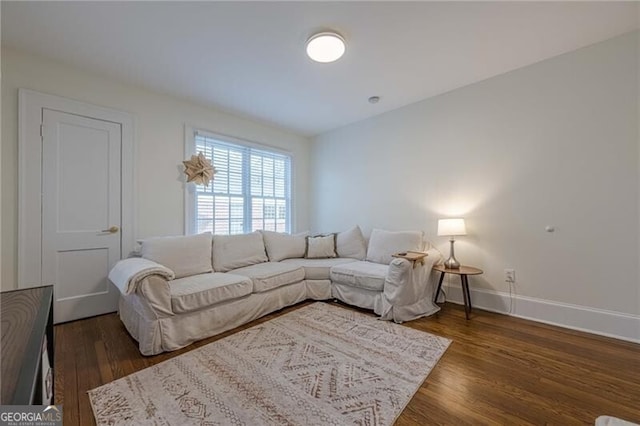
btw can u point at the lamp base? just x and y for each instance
(452, 263)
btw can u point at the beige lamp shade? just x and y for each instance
(451, 227)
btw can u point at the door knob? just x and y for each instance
(111, 230)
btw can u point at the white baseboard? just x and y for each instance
(591, 320)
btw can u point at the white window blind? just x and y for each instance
(251, 189)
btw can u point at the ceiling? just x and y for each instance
(248, 58)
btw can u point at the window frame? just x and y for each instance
(190, 133)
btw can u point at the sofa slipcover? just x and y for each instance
(156, 334)
(269, 275)
(165, 314)
(317, 269)
(361, 274)
(200, 291)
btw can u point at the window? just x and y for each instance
(250, 191)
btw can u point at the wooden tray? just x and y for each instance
(413, 256)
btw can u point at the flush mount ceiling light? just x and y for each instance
(326, 47)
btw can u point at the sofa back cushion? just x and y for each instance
(184, 255)
(236, 251)
(351, 243)
(284, 246)
(382, 244)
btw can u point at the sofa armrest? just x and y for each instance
(155, 290)
(408, 289)
(407, 282)
(397, 284)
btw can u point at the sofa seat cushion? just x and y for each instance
(318, 269)
(200, 291)
(270, 275)
(361, 274)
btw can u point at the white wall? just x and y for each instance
(159, 140)
(555, 143)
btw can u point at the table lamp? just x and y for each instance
(450, 228)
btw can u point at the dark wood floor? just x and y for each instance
(498, 370)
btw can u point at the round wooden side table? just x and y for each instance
(463, 271)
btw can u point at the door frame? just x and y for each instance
(30, 105)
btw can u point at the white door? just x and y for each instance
(81, 212)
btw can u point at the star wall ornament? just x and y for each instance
(199, 169)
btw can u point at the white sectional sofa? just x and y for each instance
(183, 289)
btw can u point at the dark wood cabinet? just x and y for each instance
(26, 362)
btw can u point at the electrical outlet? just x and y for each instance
(510, 275)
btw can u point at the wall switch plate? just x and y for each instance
(510, 275)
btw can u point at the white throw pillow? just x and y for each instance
(184, 255)
(321, 247)
(284, 246)
(351, 243)
(382, 244)
(235, 251)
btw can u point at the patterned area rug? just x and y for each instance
(318, 365)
